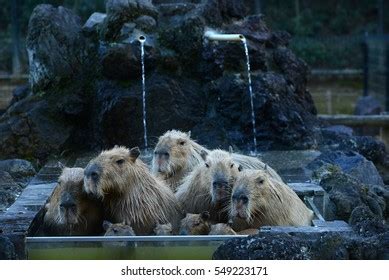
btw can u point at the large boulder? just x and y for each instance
(350, 163)
(57, 50)
(122, 11)
(171, 103)
(345, 193)
(19, 169)
(9, 190)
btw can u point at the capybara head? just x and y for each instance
(221, 229)
(195, 224)
(118, 229)
(111, 172)
(70, 210)
(249, 194)
(222, 172)
(163, 229)
(172, 152)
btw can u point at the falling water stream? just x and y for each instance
(142, 40)
(251, 95)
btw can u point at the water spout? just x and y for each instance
(142, 40)
(246, 50)
(214, 36)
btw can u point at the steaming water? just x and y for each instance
(142, 50)
(251, 96)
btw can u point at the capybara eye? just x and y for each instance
(260, 181)
(120, 161)
(182, 143)
(166, 154)
(207, 165)
(232, 165)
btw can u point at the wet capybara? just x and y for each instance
(258, 200)
(129, 192)
(163, 229)
(118, 229)
(208, 186)
(176, 154)
(195, 224)
(70, 210)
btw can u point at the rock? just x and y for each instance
(122, 11)
(282, 119)
(19, 93)
(172, 102)
(365, 222)
(352, 164)
(28, 130)
(17, 168)
(309, 246)
(7, 249)
(94, 22)
(295, 69)
(146, 23)
(9, 190)
(57, 50)
(324, 246)
(346, 193)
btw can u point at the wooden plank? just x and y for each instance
(350, 120)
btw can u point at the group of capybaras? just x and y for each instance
(188, 190)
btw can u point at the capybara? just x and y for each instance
(163, 229)
(176, 154)
(129, 192)
(70, 210)
(195, 224)
(118, 229)
(208, 186)
(258, 200)
(221, 229)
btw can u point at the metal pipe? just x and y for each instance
(141, 38)
(214, 36)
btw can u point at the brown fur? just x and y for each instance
(221, 229)
(84, 218)
(195, 224)
(196, 194)
(118, 229)
(163, 229)
(269, 202)
(129, 192)
(185, 155)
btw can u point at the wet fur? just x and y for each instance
(271, 203)
(184, 159)
(89, 211)
(195, 193)
(131, 194)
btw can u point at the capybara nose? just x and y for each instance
(67, 201)
(220, 184)
(93, 172)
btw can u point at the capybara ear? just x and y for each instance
(61, 165)
(240, 168)
(47, 205)
(230, 222)
(205, 215)
(189, 133)
(106, 225)
(134, 153)
(231, 150)
(204, 155)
